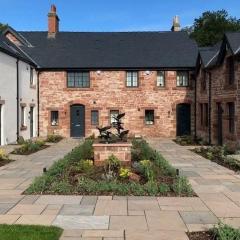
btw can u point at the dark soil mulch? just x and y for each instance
(16, 152)
(201, 236)
(4, 162)
(219, 161)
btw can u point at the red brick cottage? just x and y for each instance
(218, 78)
(85, 78)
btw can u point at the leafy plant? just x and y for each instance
(147, 167)
(52, 138)
(20, 140)
(225, 232)
(112, 164)
(182, 186)
(124, 172)
(29, 147)
(3, 155)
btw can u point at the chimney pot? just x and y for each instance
(176, 24)
(53, 8)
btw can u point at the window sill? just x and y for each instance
(182, 88)
(78, 89)
(23, 128)
(161, 88)
(133, 88)
(55, 127)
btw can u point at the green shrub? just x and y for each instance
(112, 164)
(124, 172)
(148, 171)
(84, 151)
(52, 138)
(29, 147)
(62, 187)
(20, 140)
(164, 188)
(141, 150)
(182, 186)
(225, 232)
(3, 155)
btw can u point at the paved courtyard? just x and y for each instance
(120, 218)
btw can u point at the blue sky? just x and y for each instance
(109, 15)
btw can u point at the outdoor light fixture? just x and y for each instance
(147, 72)
(98, 72)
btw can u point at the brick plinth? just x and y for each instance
(121, 150)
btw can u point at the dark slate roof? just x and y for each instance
(234, 41)
(209, 55)
(112, 49)
(9, 48)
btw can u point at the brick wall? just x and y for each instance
(221, 93)
(108, 92)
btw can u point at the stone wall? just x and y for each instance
(108, 92)
(221, 93)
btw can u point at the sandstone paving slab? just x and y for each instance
(213, 197)
(182, 204)
(141, 205)
(165, 220)
(29, 199)
(72, 233)
(89, 200)
(10, 192)
(53, 199)
(5, 207)
(156, 235)
(209, 189)
(10, 183)
(198, 218)
(128, 222)
(105, 197)
(27, 209)
(10, 198)
(82, 222)
(136, 213)
(223, 209)
(36, 219)
(234, 196)
(104, 233)
(9, 219)
(74, 209)
(111, 207)
(52, 209)
(234, 222)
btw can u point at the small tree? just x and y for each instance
(3, 27)
(209, 28)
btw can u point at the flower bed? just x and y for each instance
(29, 147)
(188, 141)
(149, 175)
(53, 138)
(222, 232)
(219, 155)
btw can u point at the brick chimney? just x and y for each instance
(176, 24)
(53, 22)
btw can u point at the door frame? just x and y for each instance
(219, 124)
(177, 117)
(31, 113)
(84, 119)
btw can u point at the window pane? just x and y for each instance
(149, 117)
(22, 116)
(94, 117)
(113, 114)
(78, 79)
(182, 79)
(160, 78)
(132, 79)
(54, 118)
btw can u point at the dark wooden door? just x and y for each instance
(77, 121)
(183, 119)
(219, 124)
(31, 122)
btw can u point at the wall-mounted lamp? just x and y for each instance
(147, 72)
(98, 72)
